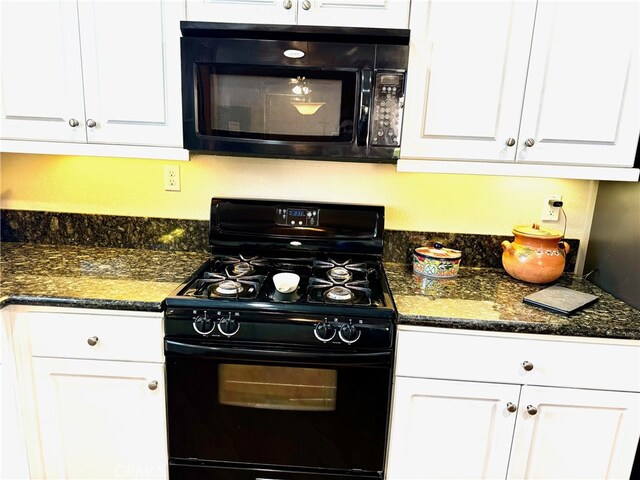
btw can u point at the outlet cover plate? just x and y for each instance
(549, 213)
(172, 178)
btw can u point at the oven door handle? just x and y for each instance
(366, 78)
(356, 358)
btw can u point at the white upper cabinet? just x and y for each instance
(467, 68)
(243, 11)
(523, 87)
(131, 71)
(41, 75)
(92, 72)
(582, 100)
(354, 13)
(336, 13)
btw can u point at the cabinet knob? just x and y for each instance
(531, 410)
(529, 142)
(511, 407)
(92, 341)
(153, 385)
(287, 4)
(306, 5)
(510, 142)
(73, 122)
(91, 123)
(528, 366)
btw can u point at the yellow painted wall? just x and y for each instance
(413, 201)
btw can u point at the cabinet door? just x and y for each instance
(575, 434)
(41, 76)
(582, 102)
(447, 429)
(131, 68)
(13, 451)
(100, 419)
(243, 11)
(355, 13)
(467, 71)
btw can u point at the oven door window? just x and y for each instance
(275, 104)
(277, 388)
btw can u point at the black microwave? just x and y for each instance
(324, 93)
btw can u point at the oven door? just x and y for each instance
(259, 408)
(260, 97)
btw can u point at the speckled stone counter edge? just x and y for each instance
(97, 303)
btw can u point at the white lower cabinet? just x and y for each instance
(489, 421)
(101, 419)
(448, 429)
(92, 392)
(13, 451)
(575, 433)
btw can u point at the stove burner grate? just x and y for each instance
(352, 293)
(216, 285)
(340, 273)
(241, 266)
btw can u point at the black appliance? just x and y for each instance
(325, 93)
(269, 385)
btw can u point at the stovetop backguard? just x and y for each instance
(291, 228)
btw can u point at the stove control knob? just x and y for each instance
(348, 333)
(204, 325)
(324, 332)
(228, 326)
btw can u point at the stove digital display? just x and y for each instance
(297, 217)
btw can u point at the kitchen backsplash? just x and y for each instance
(477, 250)
(114, 231)
(192, 235)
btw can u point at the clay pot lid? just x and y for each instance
(438, 251)
(537, 231)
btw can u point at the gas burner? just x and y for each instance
(228, 287)
(352, 293)
(240, 266)
(339, 275)
(218, 285)
(339, 294)
(239, 288)
(341, 272)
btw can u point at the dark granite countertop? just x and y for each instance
(489, 299)
(91, 277)
(139, 279)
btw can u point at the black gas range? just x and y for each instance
(264, 384)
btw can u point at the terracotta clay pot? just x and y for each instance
(536, 255)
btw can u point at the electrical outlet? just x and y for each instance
(549, 212)
(172, 178)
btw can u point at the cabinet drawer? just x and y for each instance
(557, 362)
(98, 336)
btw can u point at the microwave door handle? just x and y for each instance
(366, 77)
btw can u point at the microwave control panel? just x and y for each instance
(388, 100)
(297, 217)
